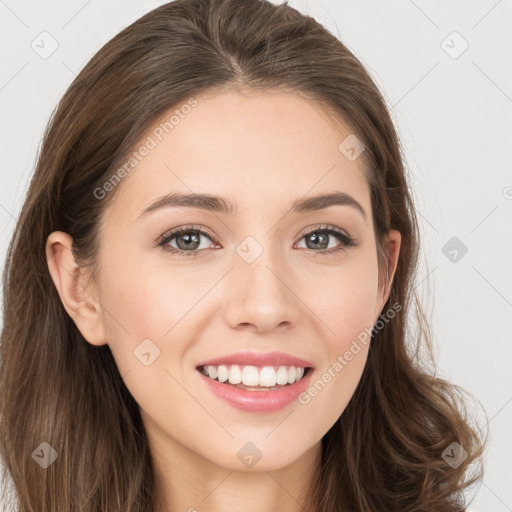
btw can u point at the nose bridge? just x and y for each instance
(260, 291)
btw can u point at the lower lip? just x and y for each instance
(258, 401)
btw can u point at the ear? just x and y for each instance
(77, 295)
(392, 250)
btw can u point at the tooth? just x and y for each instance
(267, 377)
(222, 373)
(235, 374)
(282, 376)
(250, 376)
(212, 372)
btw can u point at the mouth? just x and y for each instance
(256, 382)
(254, 378)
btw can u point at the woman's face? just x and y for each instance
(262, 280)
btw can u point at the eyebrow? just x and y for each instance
(224, 205)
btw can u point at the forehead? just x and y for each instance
(257, 148)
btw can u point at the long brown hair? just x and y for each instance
(385, 452)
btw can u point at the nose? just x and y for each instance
(261, 297)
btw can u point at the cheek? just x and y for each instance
(147, 315)
(345, 349)
(140, 304)
(344, 300)
(149, 297)
(155, 310)
(344, 303)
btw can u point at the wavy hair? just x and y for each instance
(385, 452)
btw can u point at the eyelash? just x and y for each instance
(346, 240)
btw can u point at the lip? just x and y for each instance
(258, 359)
(258, 401)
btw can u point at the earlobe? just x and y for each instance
(78, 297)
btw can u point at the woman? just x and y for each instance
(207, 291)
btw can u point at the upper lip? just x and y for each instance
(258, 359)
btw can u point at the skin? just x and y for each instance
(264, 151)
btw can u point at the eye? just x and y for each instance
(321, 237)
(187, 239)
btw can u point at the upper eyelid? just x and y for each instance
(176, 231)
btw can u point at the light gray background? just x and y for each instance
(454, 117)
